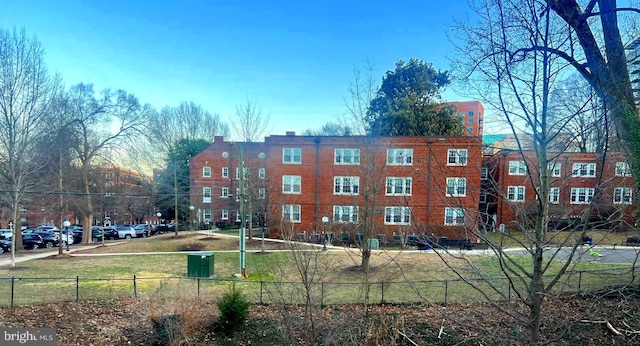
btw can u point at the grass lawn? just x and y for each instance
(334, 276)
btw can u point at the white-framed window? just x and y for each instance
(584, 170)
(453, 216)
(457, 157)
(399, 156)
(224, 215)
(398, 186)
(515, 193)
(291, 184)
(457, 187)
(238, 216)
(397, 215)
(554, 168)
(291, 213)
(622, 195)
(581, 195)
(484, 173)
(246, 173)
(345, 213)
(262, 173)
(237, 194)
(346, 156)
(346, 185)
(554, 195)
(206, 172)
(483, 196)
(262, 193)
(291, 155)
(622, 169)
(225, 192)
(206, 215)
(517, 168)
(206, 194)
(225, 172)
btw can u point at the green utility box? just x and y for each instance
(200, 265)
(373, 243)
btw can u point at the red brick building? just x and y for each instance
(472, 116)
(404, 185)
(575, 180)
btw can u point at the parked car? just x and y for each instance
(142, 231)
(5, 246)
(97, 234)
(110, 233)
(162, 228)
(125, 232)
(66, 236)
(77, 233)
(50, 239)
(32, 241)
(6, 234)
(48, 228)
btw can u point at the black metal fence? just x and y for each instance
(28, 290)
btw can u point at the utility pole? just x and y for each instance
(175, 195)
(243, 267)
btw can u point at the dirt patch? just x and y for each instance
(209, 239)
(60, 256)
(192, 247)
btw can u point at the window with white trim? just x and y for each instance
(484, 173)
(345, 213)
(346, 156)
(224, 215)
(291, 184)
(581, 195)
(554, 195)
(483, 196)
(238, 216)
(398, 186)
(457, 187)
(206, 215)
(397, 215)
(291, 213)
(225, 192)
(246, 173)
(622, 195)
(399, 156)
(206, 194)
(517, 168)
(262, 173)
(554, 168)
(584, 170)
(457, 157)
(291, 155)
(622, 169)
(515, 193)
(346, 185)
(206, 172)
(225, 172)
(453, 216)
(262, 193)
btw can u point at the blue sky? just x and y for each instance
(294, 58)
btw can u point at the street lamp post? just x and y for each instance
(66, 225)
(191, 209)
(324, 231)
(158, 215)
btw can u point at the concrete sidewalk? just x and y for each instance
(28, 255)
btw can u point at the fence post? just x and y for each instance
(261, 283)
(13, 286)
(135, 288)
(198, 287)
(322, 294)
(579, 281)
(446, 291)
(509, 287)
(382, 292)
(77, 289)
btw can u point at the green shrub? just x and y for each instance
(234, 309)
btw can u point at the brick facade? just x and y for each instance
(472, 116)
(576, 178)
(307, 178)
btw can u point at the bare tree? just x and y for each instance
(514, 54)
(185, 121)
(26, 91)
(251, 123)
(100, 125)
(361, 92)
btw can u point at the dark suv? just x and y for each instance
(50, 239)
(32, 241)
